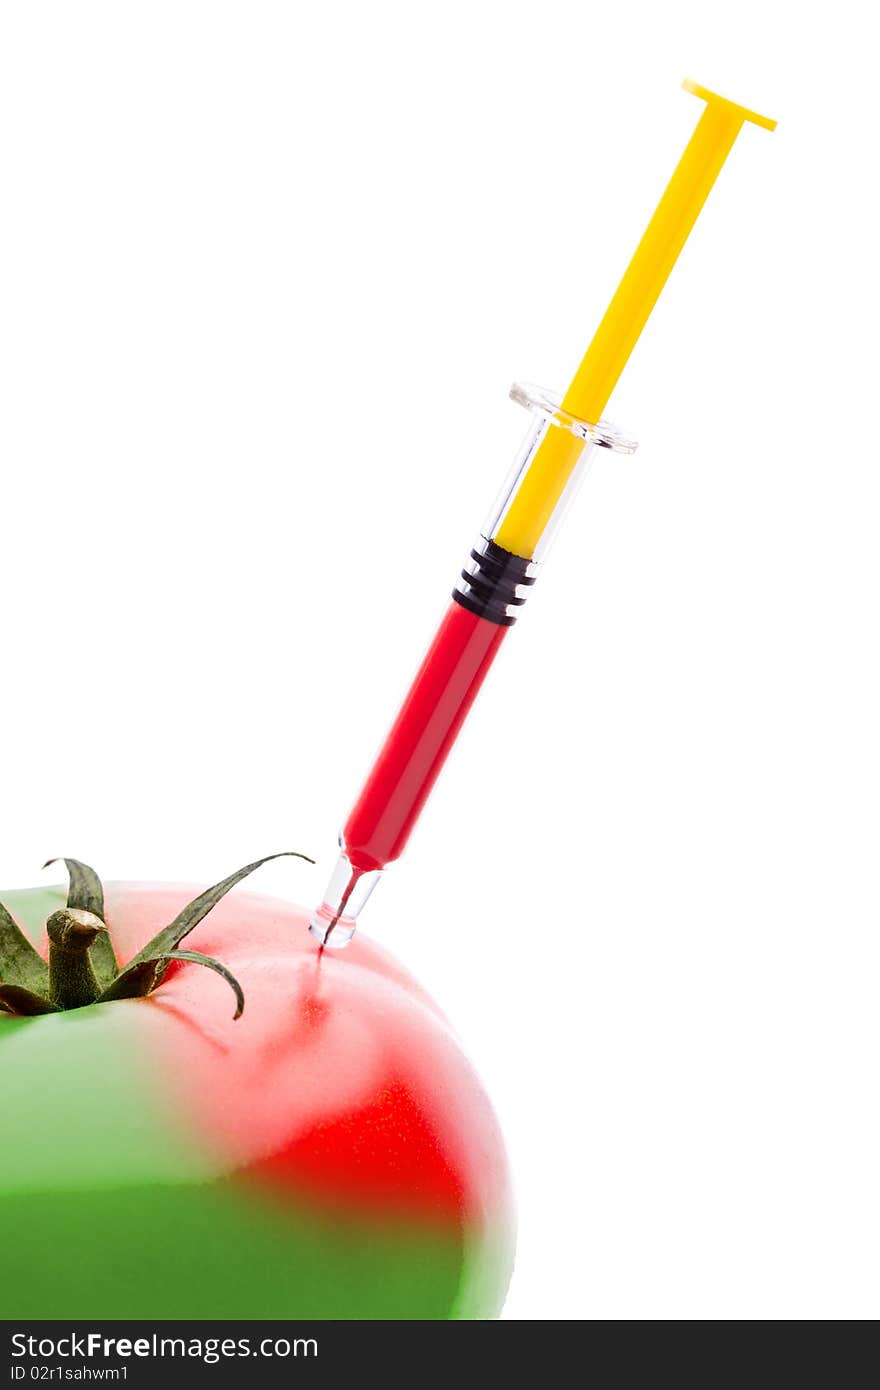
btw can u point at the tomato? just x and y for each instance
(328, 1154)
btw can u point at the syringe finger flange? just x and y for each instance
(561, 445)
(542, 402)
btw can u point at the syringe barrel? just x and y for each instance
(492, 588)
(409, 762)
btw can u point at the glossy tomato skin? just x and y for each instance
(329, 1155)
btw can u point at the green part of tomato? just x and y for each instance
(81, 1107)
(235, 1255)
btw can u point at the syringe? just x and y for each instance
(510, 548)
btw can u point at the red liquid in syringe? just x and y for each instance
(425, 729)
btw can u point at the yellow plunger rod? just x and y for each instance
(626, 315)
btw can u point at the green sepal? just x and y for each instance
(137, 981)
(20, 962)
(86, 892)
(198, 958)
(171, 936)
(16, 999)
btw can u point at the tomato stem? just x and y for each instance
(72, 981)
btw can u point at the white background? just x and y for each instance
(267, 272)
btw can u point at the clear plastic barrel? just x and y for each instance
(574, 449)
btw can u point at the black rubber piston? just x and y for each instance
(491, 583)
